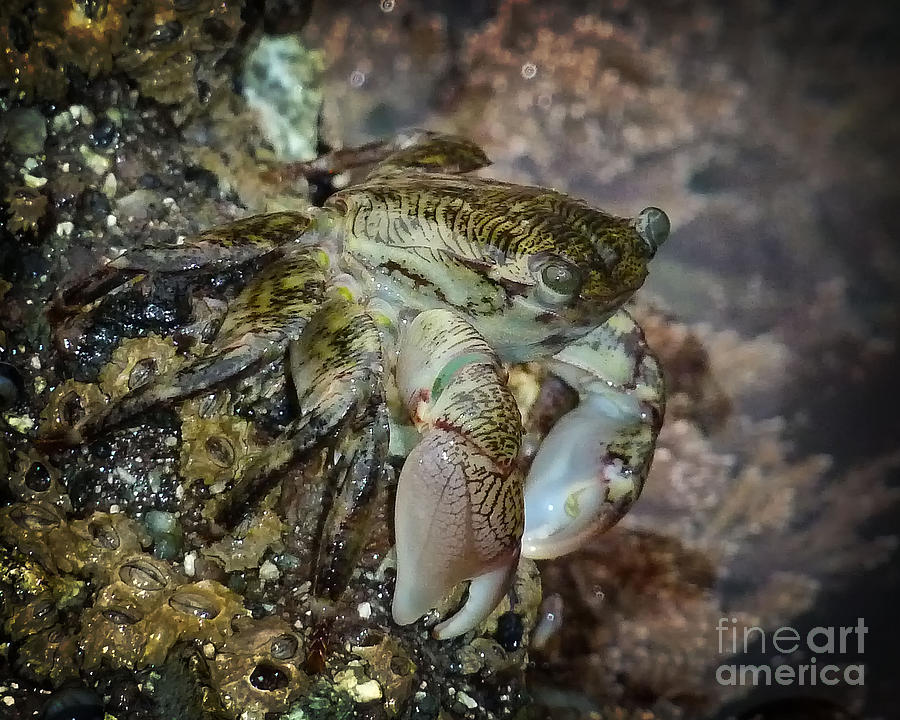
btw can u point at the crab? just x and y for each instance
(400, 306)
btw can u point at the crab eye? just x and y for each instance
(558, 281)
(652, 224)
(560, 278)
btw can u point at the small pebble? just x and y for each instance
(269, 571)
(166, 547)
(26, 130)
(159, 522)
(189, 563)
(104, 133)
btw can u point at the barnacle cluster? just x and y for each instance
(175, 48)
(39, 40)
(84, 594)
(27, 207)
(69, 403)
(81, 595)
(169, 48)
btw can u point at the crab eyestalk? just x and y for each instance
(459, 513)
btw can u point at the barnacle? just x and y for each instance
(27, 206)
(35, 616)
(390, 666)
(26, 600)
(81, 32)
(216, 446)
(30, 598)
(51, 654)
(34, 478)
(136, 362)
(258, 669)
(28, 527)
(69, 403)
(98, 542)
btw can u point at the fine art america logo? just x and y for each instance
(824, 651)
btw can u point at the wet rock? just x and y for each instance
(24, 130)
(104, 133)
(12, 386)
(509, 631)
(73, 704)
(282, 82)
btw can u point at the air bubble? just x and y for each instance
(357, 78)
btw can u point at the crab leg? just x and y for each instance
(336, 366)
(270, 311)
(592, 465)
(416, 149)
(459, 508)
(218, 248)
(360, 473)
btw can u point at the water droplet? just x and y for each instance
(357, 79)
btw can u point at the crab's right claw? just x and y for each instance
(459, 508)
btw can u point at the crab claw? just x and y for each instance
(577, 487)
(591, 467)
(459, 507)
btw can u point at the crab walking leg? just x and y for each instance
(336, 366)
(269, 312)
(459, 507)
(360, 473)
(216, 249)
(414, 149)
(592, 465)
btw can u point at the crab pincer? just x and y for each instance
(459, 513)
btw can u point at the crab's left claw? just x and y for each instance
(592, 465)
(459, 508)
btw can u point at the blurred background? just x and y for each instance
(767, 130)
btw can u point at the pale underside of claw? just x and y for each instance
(576, 488)
(592, 465)
(443, 540)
